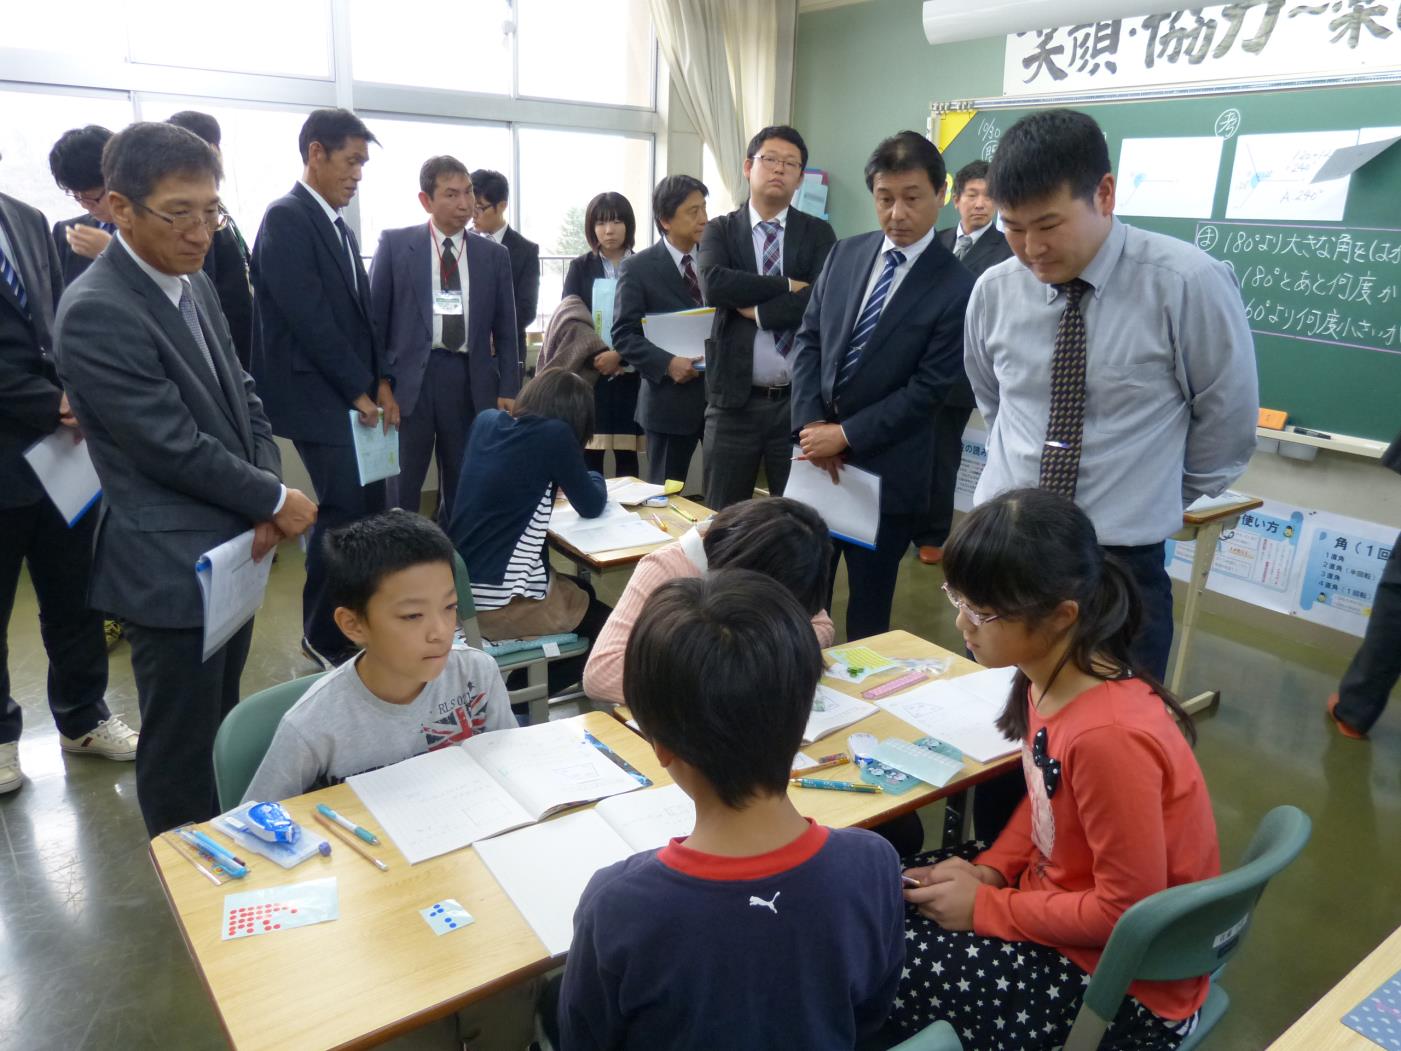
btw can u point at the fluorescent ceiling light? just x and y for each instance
(953, 21)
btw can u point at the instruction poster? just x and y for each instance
(975, 458)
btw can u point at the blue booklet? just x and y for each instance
(1378, 1017)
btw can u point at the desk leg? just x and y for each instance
(958, 812)
(1206, 537)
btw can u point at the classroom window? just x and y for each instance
(389, 191)
(456, 45)
(252, 36)
(600, 51)
(34, 121)
(74, 27)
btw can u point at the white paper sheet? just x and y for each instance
(376, 451)
(1168, 177)
(851, 508)
(1228, 498)
(1274, 176)
(962, 712)
(631, 493)
(438, 802)
(64, 468)
(682, 333)
(650, 819)
(616, 528)
(547, 766)
(544, 869)
(1371, 143)
(841, 710)
(231, 585)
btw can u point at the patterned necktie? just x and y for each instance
(350, 252)
(11, 277)
(773, 264)
(961, 246)
(187, 311)
(1060, 457)
(454, 325)
(870, 314)
(692, 284)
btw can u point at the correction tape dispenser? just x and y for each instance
(268, 821)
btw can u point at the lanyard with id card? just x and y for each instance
(446, 303)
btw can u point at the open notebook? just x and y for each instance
(544, 868)
(490, 783)
(833, 710)
(961, 711)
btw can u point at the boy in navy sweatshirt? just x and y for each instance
(761, 929)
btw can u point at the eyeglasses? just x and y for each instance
(779, 164)
(975, 618)
(1050, 768)
(184, 222)
(87, 198)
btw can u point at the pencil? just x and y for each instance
(683, 514)
(660, 524)
(825, 763)
(350, 841)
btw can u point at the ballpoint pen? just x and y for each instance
(349, 841)
(348, 825)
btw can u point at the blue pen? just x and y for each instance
(836, 786)
(226, 860)
(348, 825)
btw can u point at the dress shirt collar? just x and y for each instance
(331, 213)
(171, 284)
(676, 253)
(458, 239)
(911, 252)
(754, 220)
(1096, 274)
(498, 236)
(976, 233)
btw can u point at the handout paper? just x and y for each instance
(616, 528)
(1173, 177)
(851, 507)
(682, 333)
(962, 712)
(231, 585)
(64, 468)
(376, 450)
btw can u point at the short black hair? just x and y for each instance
(558, 394)
(76, 158)
(610, 207)
(671, 194)
(142, 154)
(906, 151)
(722, 671)
(782, 539)
(202, 124)
(1044, 152)
(970, 172)
(360, 555)
(436, 166)
(490, 186)
(331, 128)
(777, 131)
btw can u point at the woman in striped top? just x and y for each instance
(515, 464)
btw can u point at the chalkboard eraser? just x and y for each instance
(1273, 419)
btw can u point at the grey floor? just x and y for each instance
(90, 957)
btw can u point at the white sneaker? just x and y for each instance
(10, 775)
(111, 738)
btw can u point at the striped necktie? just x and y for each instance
(961, 246)
(870, 314)
(1060, 457)
(692, 282)
(191, 319)
(773, 265)
(11, 277)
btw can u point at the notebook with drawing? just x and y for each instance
(490, 783)
(544, 868)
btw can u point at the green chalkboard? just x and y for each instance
(1324, 297)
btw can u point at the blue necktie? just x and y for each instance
(107, 228)
(870, 314)
(11, 277)
(773, 264)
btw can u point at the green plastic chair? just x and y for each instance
(245, 734)
(535, 694)
(1181, 932)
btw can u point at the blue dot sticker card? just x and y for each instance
(446, 915)
(1378, 1017)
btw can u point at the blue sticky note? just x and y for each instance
(446, 915)
(1378, 1017)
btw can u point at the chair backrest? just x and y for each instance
(245, 734)
(466, 608)
(1187, 931)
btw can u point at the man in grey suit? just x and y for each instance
(661, 280)
(182, 447)
(442, 323)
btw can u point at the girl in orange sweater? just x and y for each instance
(1002, 943)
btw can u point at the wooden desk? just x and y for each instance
(378, 970)
(673, 515)
(1205, 528)
(1322, 1029)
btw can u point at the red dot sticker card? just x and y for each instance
(279, 908)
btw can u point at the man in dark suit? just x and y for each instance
(33, 406)
(76, 164)
(492, 197)
(661, 280)
(442, 322)
(316, 352)
(184, 453)
(227, 261)
(879, 347)
(756, 268)
(977, 243)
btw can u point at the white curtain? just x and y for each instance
(723, 56)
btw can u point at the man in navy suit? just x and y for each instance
(492, 199)
(442, 322)
(316, 353)
(880, 345)
(76, 164)
(977, 243)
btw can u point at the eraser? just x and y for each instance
(1274, 419)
